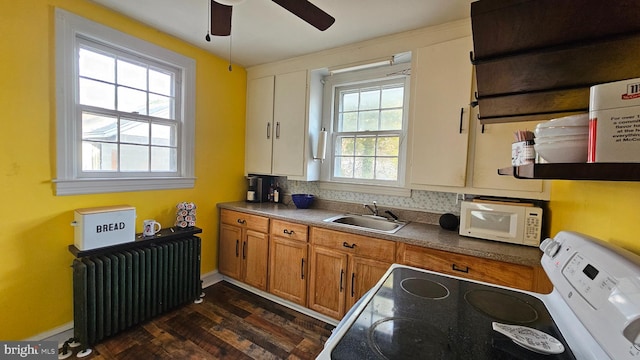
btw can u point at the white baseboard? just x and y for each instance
(211, 278)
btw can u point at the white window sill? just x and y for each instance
(368, 189)
(97, 186)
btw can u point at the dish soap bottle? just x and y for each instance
(276, 194)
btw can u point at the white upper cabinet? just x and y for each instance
(259, 130)
(439, 126)
(278, 130)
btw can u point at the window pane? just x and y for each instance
(99, 127)
(370, 99)
(345, 146)
(160, 83)
(163, 135)
(134, 158)
(97, 66)
(387, 169)
(133, 101)
(391, 119)
(344, 167)
(349, 121)
(349, 101)
(99, 156)
(366, 146)
(363, 168)
(98, 94)
(161, 106)
(392, 97)
(132, 75)
(368, 120)
(388, 146)
(136, 132)
(163, 159)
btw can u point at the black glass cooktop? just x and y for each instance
(418, 315)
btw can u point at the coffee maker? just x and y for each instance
(258, 188)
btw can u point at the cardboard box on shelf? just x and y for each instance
(614, 122)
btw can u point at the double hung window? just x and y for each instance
(369, 128)
(125, 111)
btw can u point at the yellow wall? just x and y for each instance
(35, 273)
(605, 210)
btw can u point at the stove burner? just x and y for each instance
(403, 338)
(424, 288)
(501, 306)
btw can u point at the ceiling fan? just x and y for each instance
(221, 14)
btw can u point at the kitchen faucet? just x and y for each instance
(375, 208)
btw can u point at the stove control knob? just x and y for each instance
(550, 247)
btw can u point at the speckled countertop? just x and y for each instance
(426, 233)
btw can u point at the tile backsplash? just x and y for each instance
(429, 201)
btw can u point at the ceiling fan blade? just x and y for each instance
(308, 12)
(220, 19)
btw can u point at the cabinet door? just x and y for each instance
(229, 260)
(493, 151)
(327, 285)
(363, 275)
(255, 257)
(259, 127)
(288, 269)
(289, 116)
(440, 124)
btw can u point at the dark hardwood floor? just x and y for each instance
(231, 323)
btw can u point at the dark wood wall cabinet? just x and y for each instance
(537, 59)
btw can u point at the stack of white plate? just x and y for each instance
(563, 140)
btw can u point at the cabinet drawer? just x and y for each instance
(491, 271)
(253, 222)
(363, 246)
(289, 230)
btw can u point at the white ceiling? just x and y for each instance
(264, 32)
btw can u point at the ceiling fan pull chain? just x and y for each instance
(230, 67)
(208, 37)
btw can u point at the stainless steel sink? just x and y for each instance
(367, 222)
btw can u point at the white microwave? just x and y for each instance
(516, 224)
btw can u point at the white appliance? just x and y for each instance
(592, 313)
(516, 224)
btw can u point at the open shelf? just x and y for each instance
(576, 171)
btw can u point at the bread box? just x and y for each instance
(104, 226)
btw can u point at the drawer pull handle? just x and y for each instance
(302, 269)
(346, 244)
(241, 221)
(353, 279)
(288, 232)
(456, 268)
(341, 276)
(237, 247)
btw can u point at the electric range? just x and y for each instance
(592, 313)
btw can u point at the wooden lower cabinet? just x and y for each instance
(343, 267)
(288, 261)
(492, 271)
(244, 248)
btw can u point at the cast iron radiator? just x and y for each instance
(119, 289)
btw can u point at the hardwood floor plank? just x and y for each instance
(231, 323)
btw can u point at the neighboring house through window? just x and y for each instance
(369, 117)
(125, 111)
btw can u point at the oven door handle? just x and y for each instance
(455, 267)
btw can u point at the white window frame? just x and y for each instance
(69, 180)
(399, 71)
